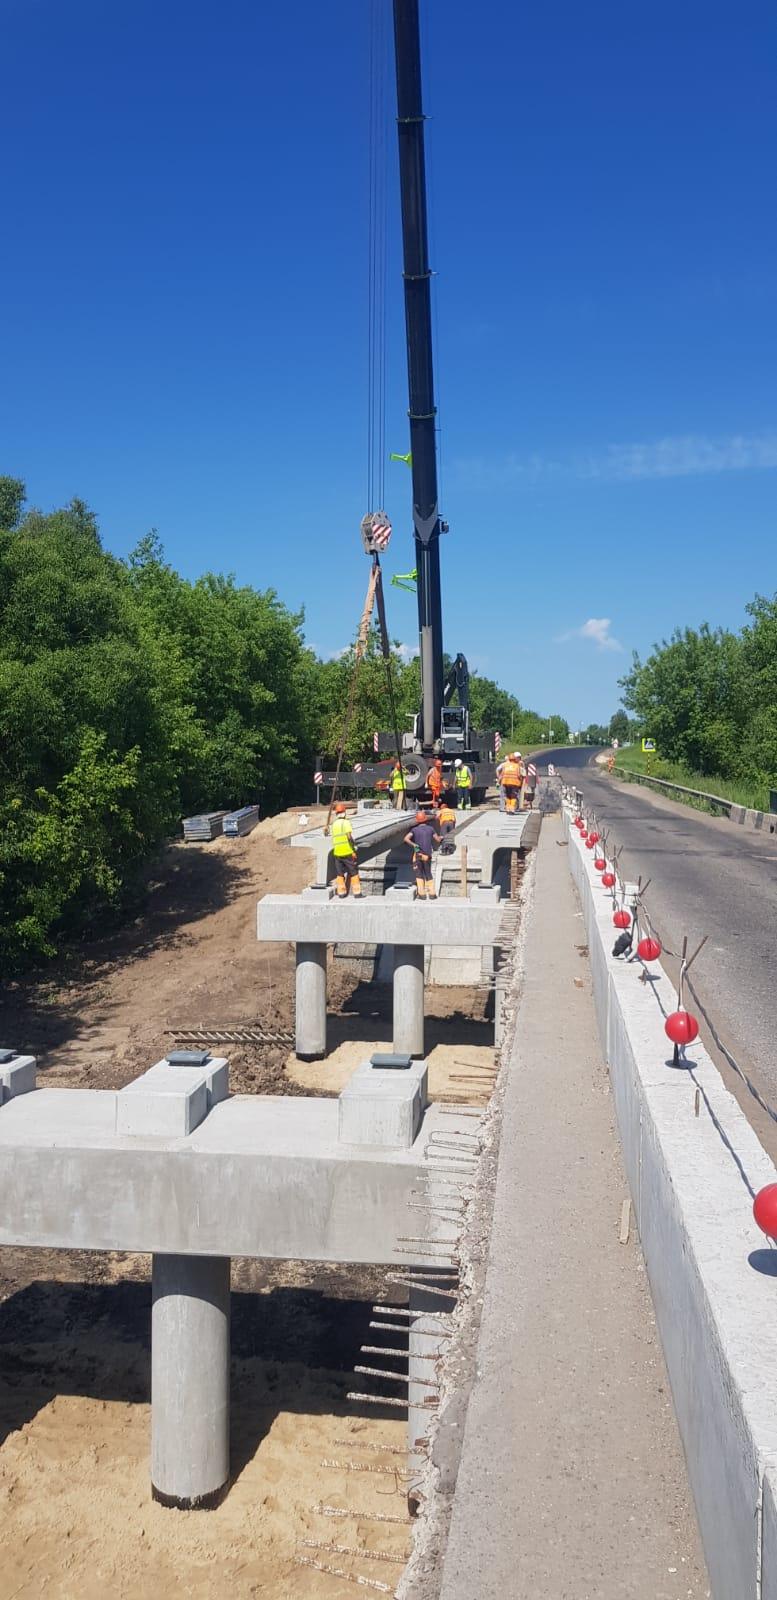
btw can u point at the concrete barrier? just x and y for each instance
(693, 1164)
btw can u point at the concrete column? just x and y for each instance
(427, 1338)
(310, 1042)
(189, 1379)
(409, 999)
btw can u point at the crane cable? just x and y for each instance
(378, 255)
(377, 112)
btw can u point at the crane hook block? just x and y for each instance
(376, 532)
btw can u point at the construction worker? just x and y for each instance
(499, 778)
(422, 840)
(463, 784)
(434, 782)
(511, 781)
(346, 859)
(446, 818)
(398, 785)
(530, 786)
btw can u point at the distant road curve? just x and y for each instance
(708, 876)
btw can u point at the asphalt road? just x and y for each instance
(708, 876)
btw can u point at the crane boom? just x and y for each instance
(418, 320)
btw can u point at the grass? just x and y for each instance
(755, 795)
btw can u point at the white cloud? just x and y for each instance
(407, 651)
(683, 456)
(675, 456)
(597, 629)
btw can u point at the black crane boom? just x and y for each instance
(418, 320)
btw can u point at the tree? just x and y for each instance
(619, 727)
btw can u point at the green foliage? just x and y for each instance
(129, 696)
(619, 728)
(709, 699)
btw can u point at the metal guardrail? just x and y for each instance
(679, 788)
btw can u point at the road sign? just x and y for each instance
(318, 777)
(649, 746)
(375, 743)
(497, 743)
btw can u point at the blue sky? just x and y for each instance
(184, 291)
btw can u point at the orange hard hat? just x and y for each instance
(421, 816)
(341, 808)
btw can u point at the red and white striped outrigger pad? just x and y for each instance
(376, 532)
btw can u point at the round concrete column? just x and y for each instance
(189, 1379)
(311, 1002)
(409, 999)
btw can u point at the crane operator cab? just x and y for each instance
(454, 728)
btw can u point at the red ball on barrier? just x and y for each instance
(608, 880)
(765, 1210)
(648, 949)
(599, 863)
(594, 837)
(591, 841)
(622, 919)
(681, 1027)
(579, 822)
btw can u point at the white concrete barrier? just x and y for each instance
(693, 1175)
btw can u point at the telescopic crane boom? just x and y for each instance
(422, 411)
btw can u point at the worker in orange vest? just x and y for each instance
(511, 780)
(447, 819)
(434, 782)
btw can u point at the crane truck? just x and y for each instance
(441, 727)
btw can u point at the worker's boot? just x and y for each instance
(341, 887)
(420, 888)
(356, 887)
(431, 892)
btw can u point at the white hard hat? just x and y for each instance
(516, 755)
(457, 762)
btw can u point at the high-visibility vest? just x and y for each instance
(398, 779)
(342, 837)
(446, 814)
(463, 778)
(434, 778)
(511, 775)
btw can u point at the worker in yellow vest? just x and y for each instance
(398, 786)
(463, 784)
(511, 780)
(344, 852)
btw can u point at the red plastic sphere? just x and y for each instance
(765, 1210)
(579, 822)
(681, 1027)
(591, 841)
(599, 863)
(594, 837)
(608, 880)
(622, 919)
(648, 949)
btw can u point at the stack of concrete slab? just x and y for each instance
(238, 823)
(201, 829)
